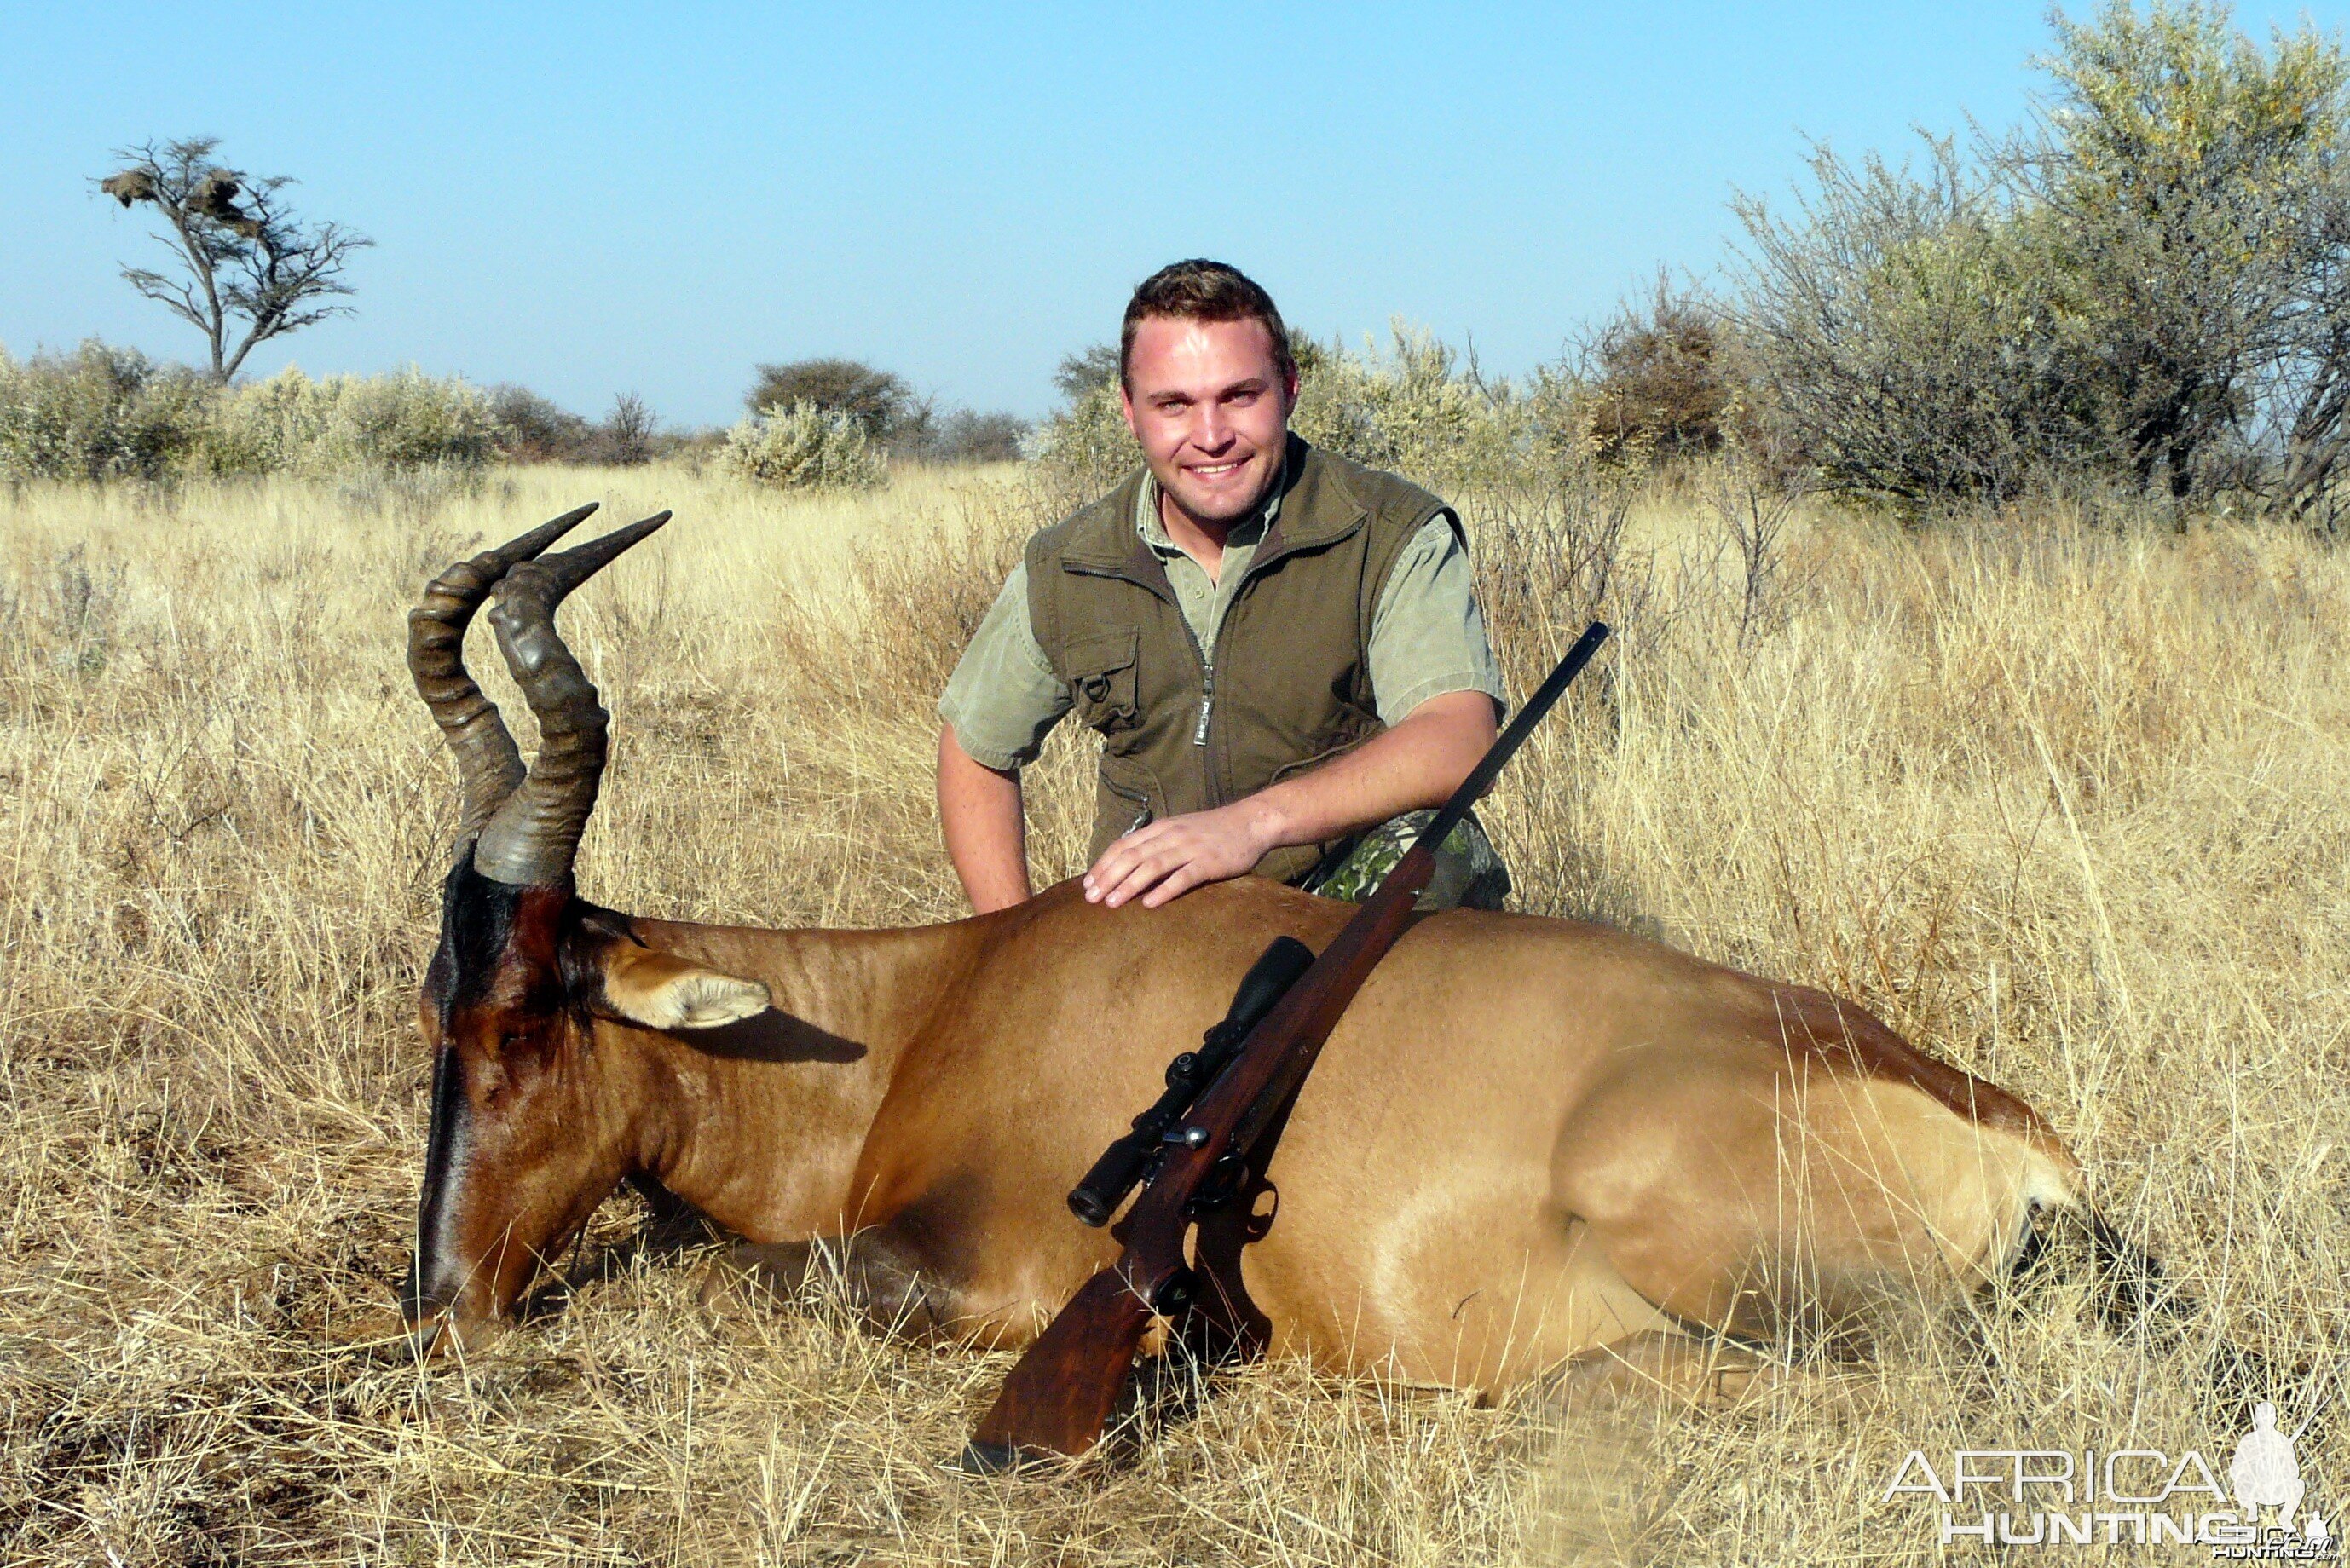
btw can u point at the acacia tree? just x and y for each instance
(2194, 184)
(2148, 285)
(247, 269)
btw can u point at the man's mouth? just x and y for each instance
(1217, 469)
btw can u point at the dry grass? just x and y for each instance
(2061, 803)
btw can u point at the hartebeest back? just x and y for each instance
(1529, 1139)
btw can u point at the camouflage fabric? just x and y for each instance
(1469, 870)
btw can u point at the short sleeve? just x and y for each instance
(1003, 698)
(1428, 636)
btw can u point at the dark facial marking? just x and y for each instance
(449, 1111)
(477, 927)
(494, 974)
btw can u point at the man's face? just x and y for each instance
(1210, 407)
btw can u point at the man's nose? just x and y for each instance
(1211, 429)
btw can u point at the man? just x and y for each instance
(1279, 648)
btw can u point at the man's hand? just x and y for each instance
(1418, 763)
(1166, 858)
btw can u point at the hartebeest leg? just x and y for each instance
(878, 1271)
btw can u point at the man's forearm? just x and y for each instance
(980, 811)
(1418, 763)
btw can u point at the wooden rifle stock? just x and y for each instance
(1066, 1386)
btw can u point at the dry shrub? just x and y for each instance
(99, 412)
(111, 413)
(2060, 800)
(804, 447)
(1658, 384)
(347, 424)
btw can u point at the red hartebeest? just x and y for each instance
(1528, 1139)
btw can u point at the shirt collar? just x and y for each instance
(1248, 532)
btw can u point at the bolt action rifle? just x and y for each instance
(1201, 1152)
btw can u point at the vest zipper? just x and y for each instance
(1207, 654)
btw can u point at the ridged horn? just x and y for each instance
(489, 768)
(531, 839)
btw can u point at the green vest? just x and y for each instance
(1288, 684)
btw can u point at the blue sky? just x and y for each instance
(596, 200)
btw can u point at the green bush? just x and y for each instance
(1412, 411)
(804, 447)
(1086, 444)
(97, 413)
(884, 406)
(1907, 330)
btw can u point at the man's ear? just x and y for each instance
(661, 992)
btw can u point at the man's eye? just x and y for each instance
(1243, 400)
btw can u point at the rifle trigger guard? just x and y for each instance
(1255, 1226)
(1228, 1182)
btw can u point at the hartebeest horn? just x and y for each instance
(531, 840)
(489, 768)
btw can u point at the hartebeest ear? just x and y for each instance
(661, 992)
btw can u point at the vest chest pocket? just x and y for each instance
(1102, 681)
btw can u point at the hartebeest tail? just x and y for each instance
(2134, 1291)
(1526, 1140)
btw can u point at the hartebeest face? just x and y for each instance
(532, 991)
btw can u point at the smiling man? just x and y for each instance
(1279, 648)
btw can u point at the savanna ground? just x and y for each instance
(2060, 797)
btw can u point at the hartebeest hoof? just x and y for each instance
(1660, 1368)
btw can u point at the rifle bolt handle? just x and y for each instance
(1188, 1136)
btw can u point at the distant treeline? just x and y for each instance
(2144, 291)
(104, 412)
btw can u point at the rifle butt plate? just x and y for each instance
(980, 1458)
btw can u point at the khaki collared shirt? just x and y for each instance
(1428, 637)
